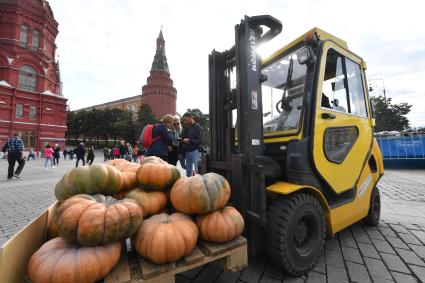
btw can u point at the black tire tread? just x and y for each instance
(277, 221)
(369, 219)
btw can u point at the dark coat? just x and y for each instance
(160, 146)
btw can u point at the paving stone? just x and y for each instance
(375, 234)
(419, 250)
(332, 244)
(383, 246)
(182, 279)
(346, 239)
(320, 265)
(192, 273)
(351, 254)
(361, 237)
(358, 272)
(397, 243)
(208, 274)
(377, 268)
(394, 263)
(399, 229)
(273, 271)
(337, 275)
(403, 278)
(290, 279)
(419, 271)
(255, 270)
(334, 259)
(410, 257)
(420, 235)
(410, 239)
(386, 231)
(314, 277)
(368, 251)
(228, 277)
(381, 280)
(266, 279)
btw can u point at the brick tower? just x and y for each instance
(31, 99)
(159, 92)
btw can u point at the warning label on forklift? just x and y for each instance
(364, 186)
(254, 100)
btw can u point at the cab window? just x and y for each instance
(342, 88)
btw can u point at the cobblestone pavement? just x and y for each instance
(392, 252)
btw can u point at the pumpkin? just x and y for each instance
(94, 179)
(200, 194)
(52, 230)
(152, 202)
(60, 262)
(153, 159)
(166, 238)
(157, 176)
(93, 220)
(128, 171)
(221, 225)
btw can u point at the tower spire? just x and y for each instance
(160, 60)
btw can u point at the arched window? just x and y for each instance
(23, 38)
(35, 40)
(27, 78)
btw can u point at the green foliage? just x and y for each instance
(390, 117)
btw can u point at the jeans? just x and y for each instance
(192, 160)
(12, 157)
(51, 162)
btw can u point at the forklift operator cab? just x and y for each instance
(310, 165)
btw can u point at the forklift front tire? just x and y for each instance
(296, 230)
(372, 218)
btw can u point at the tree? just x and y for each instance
(390, 117)
(145, 116)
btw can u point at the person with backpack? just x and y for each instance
(192, 137)
(157, 139)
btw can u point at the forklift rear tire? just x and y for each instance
(295, 233)
(372, 218)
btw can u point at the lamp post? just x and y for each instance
(383, 87)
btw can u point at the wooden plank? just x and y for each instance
(121, 272)
(213, 249)
(164, 278)
(195, 256)
(235, 261)
(150, 269)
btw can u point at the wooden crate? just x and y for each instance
(231, 256)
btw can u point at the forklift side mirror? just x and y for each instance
(306, 55)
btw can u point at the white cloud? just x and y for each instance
(106, 47)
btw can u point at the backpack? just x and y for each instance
(146, 137)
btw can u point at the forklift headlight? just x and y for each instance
(306, 55)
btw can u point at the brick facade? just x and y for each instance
(31, 100)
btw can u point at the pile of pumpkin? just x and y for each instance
(102, 204)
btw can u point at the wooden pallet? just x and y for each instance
(231, 256)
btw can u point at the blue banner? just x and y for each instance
(402, 147)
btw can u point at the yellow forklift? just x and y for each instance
(293, 134)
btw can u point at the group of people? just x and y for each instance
(173, 143)
(51, 154)
(122, 151)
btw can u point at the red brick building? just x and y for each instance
(31, 100)
(159, 92)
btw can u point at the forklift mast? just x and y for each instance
(235, 146)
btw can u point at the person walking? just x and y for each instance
(80, 152)
(31, 154)
(161, 146)
(115, 152)
(65, 152)
(173, 155)
(90, 155)
(106, 153)
(135, 153)
(15, 153)
(48, 155)
(56, 155)
(192, 137)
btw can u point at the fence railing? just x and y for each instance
(402, 145)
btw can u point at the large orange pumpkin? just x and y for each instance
(93, 220)
(152, 202)
(166, 238)
(221, 225)
(60, 262)
(200, 193)
(94, 179)
(157, 176)
(153, 159)
(128, 171)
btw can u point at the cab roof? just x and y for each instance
(321, 34)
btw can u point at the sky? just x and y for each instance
(106, 47)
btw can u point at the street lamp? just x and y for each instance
(383, 87)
